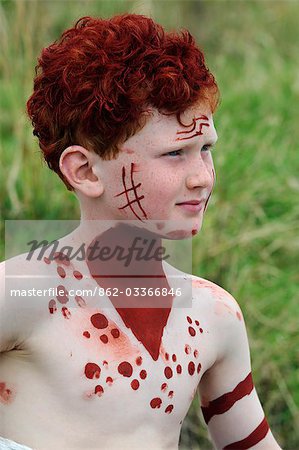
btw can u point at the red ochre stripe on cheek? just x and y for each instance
(254, 438)
(222, 404)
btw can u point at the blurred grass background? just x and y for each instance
(249, 242)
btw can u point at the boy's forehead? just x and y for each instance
(161, 129)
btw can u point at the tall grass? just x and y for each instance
(249, 242)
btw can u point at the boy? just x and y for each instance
(123, 114)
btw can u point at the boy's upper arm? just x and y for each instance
(230, 404)
(6, 340)
(13, 316)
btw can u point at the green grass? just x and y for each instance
(249, 242)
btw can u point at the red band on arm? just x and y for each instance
(254, 438)
(222, 404)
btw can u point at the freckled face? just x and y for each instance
(161, 169)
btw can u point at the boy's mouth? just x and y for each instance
(192, 205)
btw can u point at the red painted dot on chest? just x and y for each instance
(6, 395)
(80, 301)
(191, 368)
(174, 358)
(164, 387)
(139, 360)
(86, 334)
(143, 374)
(189, 319)
(92, 370)
(125, 369)
(99, 321)
(109, 380)
(168, 372)
(135, 385)
(187, 349)
(65, 312)
(198, 368)
(192, 332)
(62, 294)
(104, 338)
(78, 275)
(169, 409)
(156, 402)
(61, 272)
(98, 390)
(52, 306)
(61, 258)
(179, 369)
(170, 394)
(115, 333)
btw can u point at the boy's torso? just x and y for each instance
(81, 378)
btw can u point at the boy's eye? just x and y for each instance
(174, 153)
(206, 148)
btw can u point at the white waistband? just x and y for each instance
(6, 444)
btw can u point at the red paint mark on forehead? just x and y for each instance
(125, 369)
(92, 370)
(99, 321)
(129, 151)
(193, 125)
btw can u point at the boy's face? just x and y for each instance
(159, 169)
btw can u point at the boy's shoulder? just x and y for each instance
(211, 296)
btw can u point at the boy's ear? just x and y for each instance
(78, 166)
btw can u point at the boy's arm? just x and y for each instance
(230, 404)
(14, 317)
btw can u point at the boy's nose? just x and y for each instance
(200, 176)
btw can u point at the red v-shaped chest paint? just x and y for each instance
(145, 315)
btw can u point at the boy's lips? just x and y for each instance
(192, 205)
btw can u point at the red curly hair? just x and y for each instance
(93, 85)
